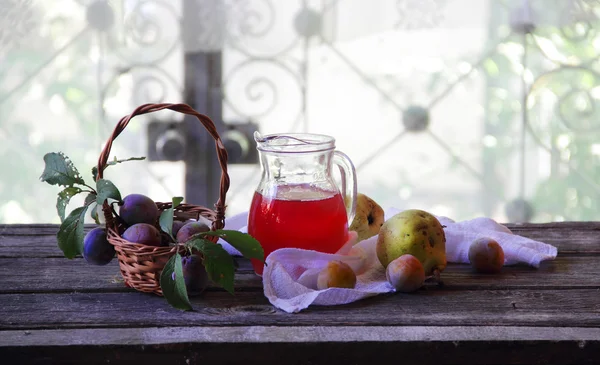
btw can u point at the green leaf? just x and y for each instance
(106, 190)
(166, 221)
(59, 170)
(94, 213)
(166, 217)
(176, 201)
(63, 200)
(218, 263)
(114, 162)
(248, 246)
(90, 198)
(70, 234)
(173, 285)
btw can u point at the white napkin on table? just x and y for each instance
(289, 279)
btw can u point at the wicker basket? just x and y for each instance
(141, 265)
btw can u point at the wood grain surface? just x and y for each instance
(59, 311)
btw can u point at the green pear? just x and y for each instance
(415, 232)
(368, 218)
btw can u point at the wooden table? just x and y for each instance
(59, 311)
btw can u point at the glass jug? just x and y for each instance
(297, 202)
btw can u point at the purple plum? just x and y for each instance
(96, 248)
(138, 208)
(194, 274)
(190, 229)
(144, 234)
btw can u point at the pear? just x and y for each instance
(368, 218)
(415, 232)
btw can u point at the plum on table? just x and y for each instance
(96, 248)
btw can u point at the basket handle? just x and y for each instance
(219, 221)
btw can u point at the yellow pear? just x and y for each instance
(415, 232)
(368, 218)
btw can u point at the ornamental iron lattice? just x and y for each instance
(522, 149)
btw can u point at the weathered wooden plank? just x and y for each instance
(568, 237)
(433, 307)
(40, 246)
(61, 274)
(333, 353)
(30, 240)
(290, 334)
(563, 272)
(37, 229)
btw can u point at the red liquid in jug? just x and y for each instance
(317, 221)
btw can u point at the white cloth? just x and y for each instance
(290, 276)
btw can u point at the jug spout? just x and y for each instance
(258, 137)
(263, 142)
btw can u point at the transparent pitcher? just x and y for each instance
(297, 202)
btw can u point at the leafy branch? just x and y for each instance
(59, 170)
(219, 265)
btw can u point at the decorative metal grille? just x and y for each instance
(487, 110)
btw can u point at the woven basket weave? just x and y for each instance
(141, 265)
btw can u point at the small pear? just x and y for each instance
(415, 232)
(368, 218)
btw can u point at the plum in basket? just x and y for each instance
(190, 229)
(138, 208)
(144, 234)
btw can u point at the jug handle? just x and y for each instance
(348, 188)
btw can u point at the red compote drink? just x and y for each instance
(298, 216)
